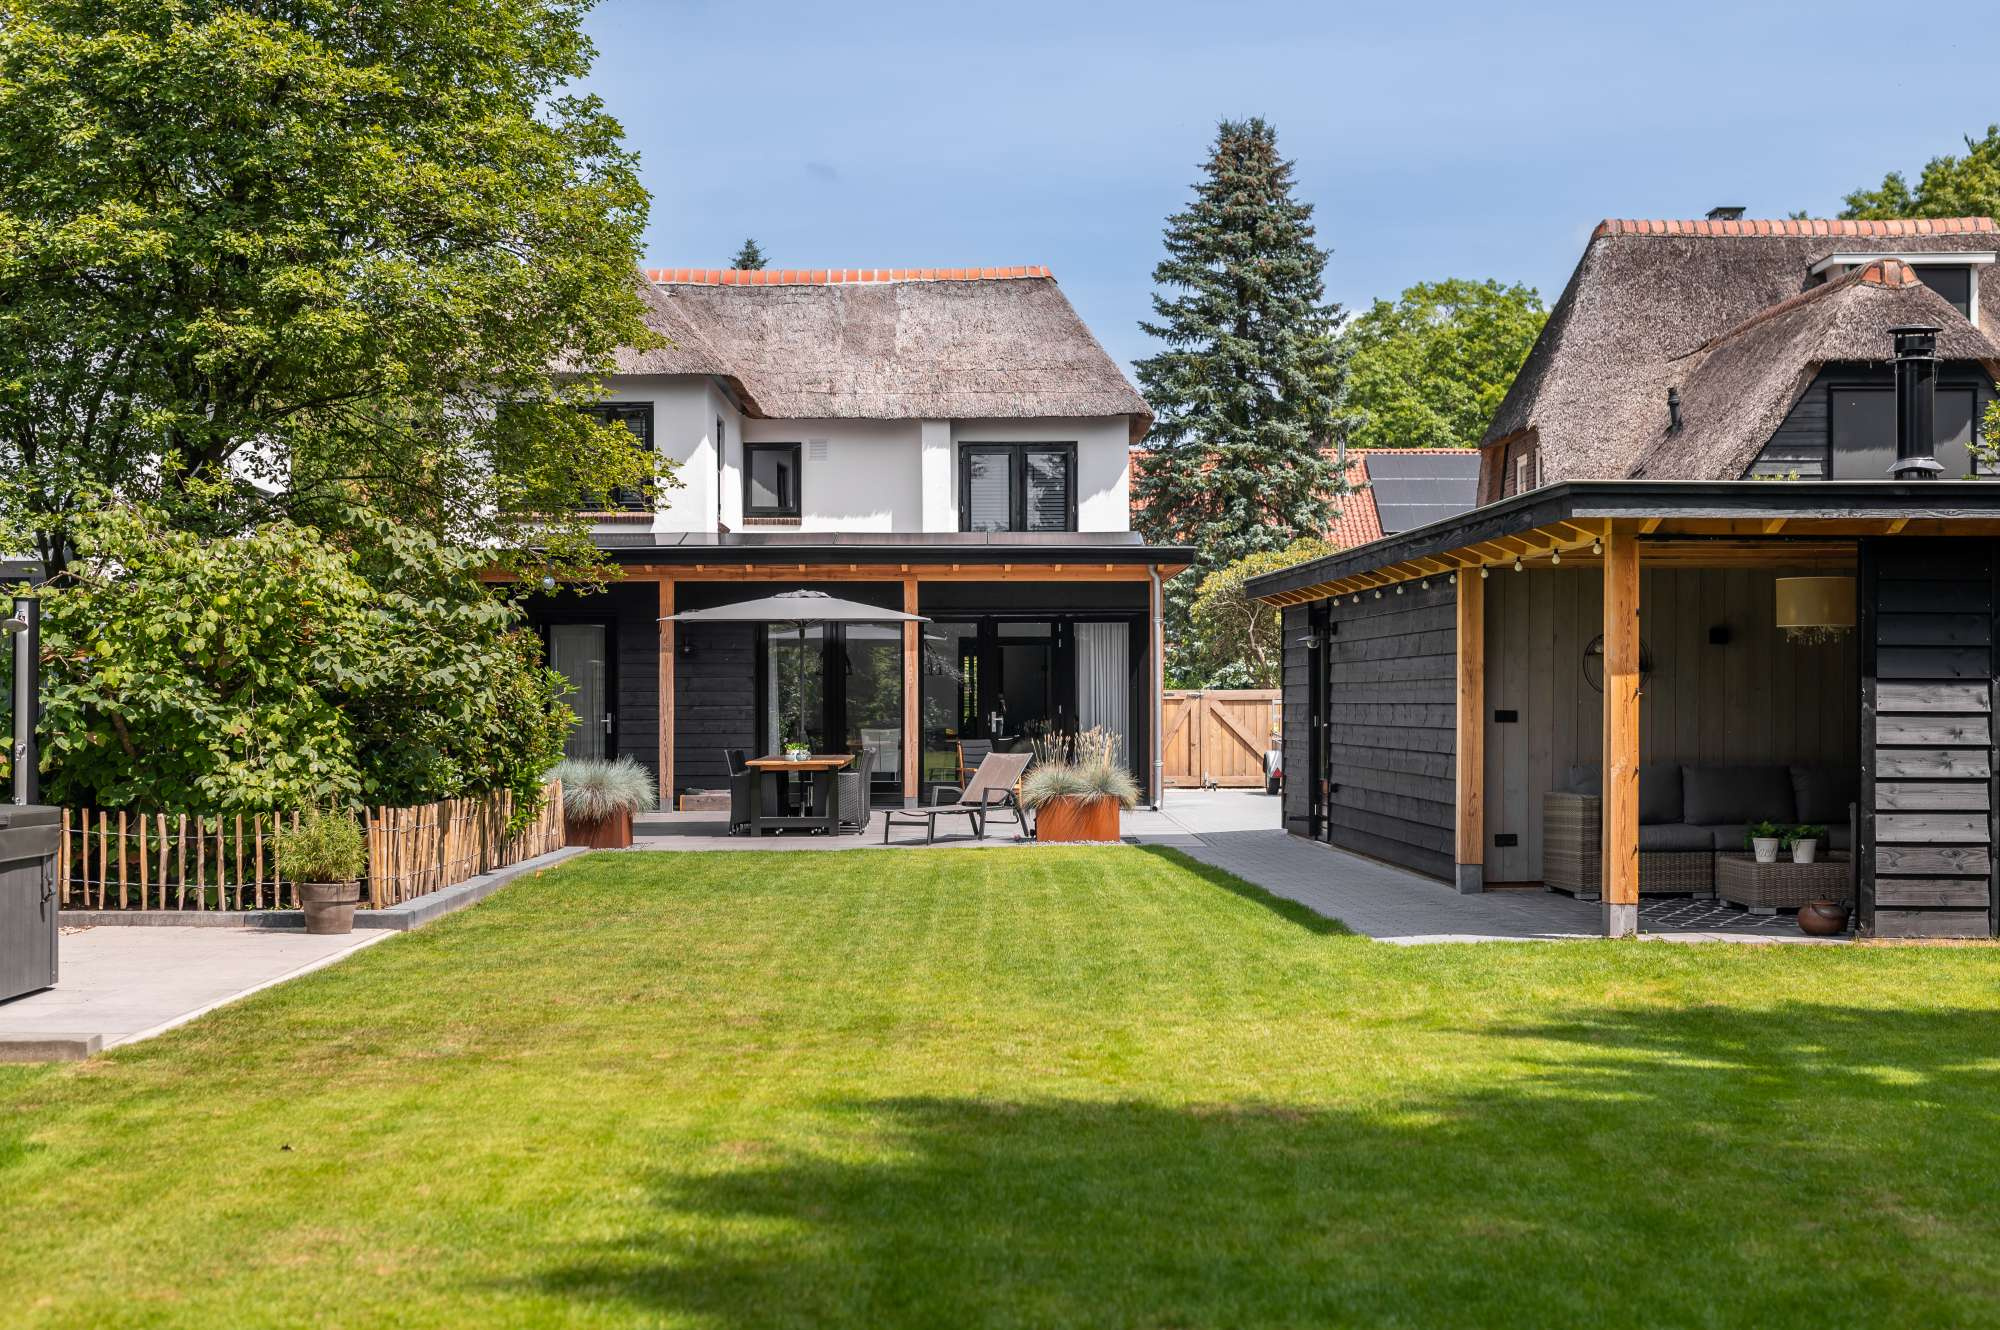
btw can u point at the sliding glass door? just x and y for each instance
(837, 688)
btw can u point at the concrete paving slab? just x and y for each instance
(119, 985)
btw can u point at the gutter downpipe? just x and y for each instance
(1157, 648)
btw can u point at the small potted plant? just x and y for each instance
(1077, 790)
(599, 798)
(1763, 840)
(323, 856)
(1803, 841)
(797, 750)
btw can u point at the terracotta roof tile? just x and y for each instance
(1792, 226)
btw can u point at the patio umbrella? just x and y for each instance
(800, 609)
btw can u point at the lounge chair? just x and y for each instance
(990, 791)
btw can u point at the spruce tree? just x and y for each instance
(749, 258)
(1248, 390)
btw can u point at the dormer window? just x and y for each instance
(1955, 276)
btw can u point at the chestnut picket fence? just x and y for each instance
(128, 860)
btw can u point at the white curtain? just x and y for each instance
(1104, 681)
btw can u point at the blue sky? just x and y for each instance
(1444, 139)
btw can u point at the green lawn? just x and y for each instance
(1020, 1087)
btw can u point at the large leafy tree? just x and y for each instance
(319, 249)
(1236, 640)
(1949, 186)
(1428, 369)
(1248, 385)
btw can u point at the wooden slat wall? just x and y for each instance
(1757, 699)
(715, 701)
(1297, 761)
(1929, 777)
(1391, 708)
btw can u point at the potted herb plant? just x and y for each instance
(324, 856)
(1763, 839)
(1803, 841)
(599, 798)
(1077, 788)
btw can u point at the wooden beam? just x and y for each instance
(1621, 734)
(666, 723)
(1772, 526)
(913, 678)
(1470, 749)
(1650, 525)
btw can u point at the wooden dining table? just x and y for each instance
(819, 769)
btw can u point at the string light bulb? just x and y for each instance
(1517, 563)
(1484, 572)
(1555, 557)
(1597, 547)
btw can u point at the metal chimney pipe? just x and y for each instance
(1916, 402)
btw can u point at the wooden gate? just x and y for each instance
(1218, 736)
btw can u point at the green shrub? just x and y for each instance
(283, 668)
(326, 846)
(1059, 780)
(595, 789)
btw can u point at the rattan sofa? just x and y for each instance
(1687, 814)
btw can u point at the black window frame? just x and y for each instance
(623, 498)
(1017, 482)
(797, 506)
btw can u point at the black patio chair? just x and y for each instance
(740, 777)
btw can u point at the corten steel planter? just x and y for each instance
(611, 833)
(329, 906)
(1077, 819)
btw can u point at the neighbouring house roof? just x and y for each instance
(886, 344)
(1652, 302)
(1394, 489)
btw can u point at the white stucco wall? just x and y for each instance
(873, 475)
(867, 477)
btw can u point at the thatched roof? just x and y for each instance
(903, 344)
(1736, 388)
(1648, 296)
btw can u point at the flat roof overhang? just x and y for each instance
(1715, 523)
(1055, 556)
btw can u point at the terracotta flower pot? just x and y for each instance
(1823, 918)
(329, 906)
(1077, 819)
(611, 833)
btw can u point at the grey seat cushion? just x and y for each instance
(1714, 796)
(1662, 837)
(1839, 836)
(1822, 794)
(1727, 835)
(1659, 789)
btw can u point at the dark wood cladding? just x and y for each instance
(715, 700)
(1294, 682)
(1927, 610)
(1803, 442)
(1391, 698)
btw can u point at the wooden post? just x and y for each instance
(1156, 682)
(1471, 735)
(1621, 733)
(666, 696)
(913, 682)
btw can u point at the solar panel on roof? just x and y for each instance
(1416, 488)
